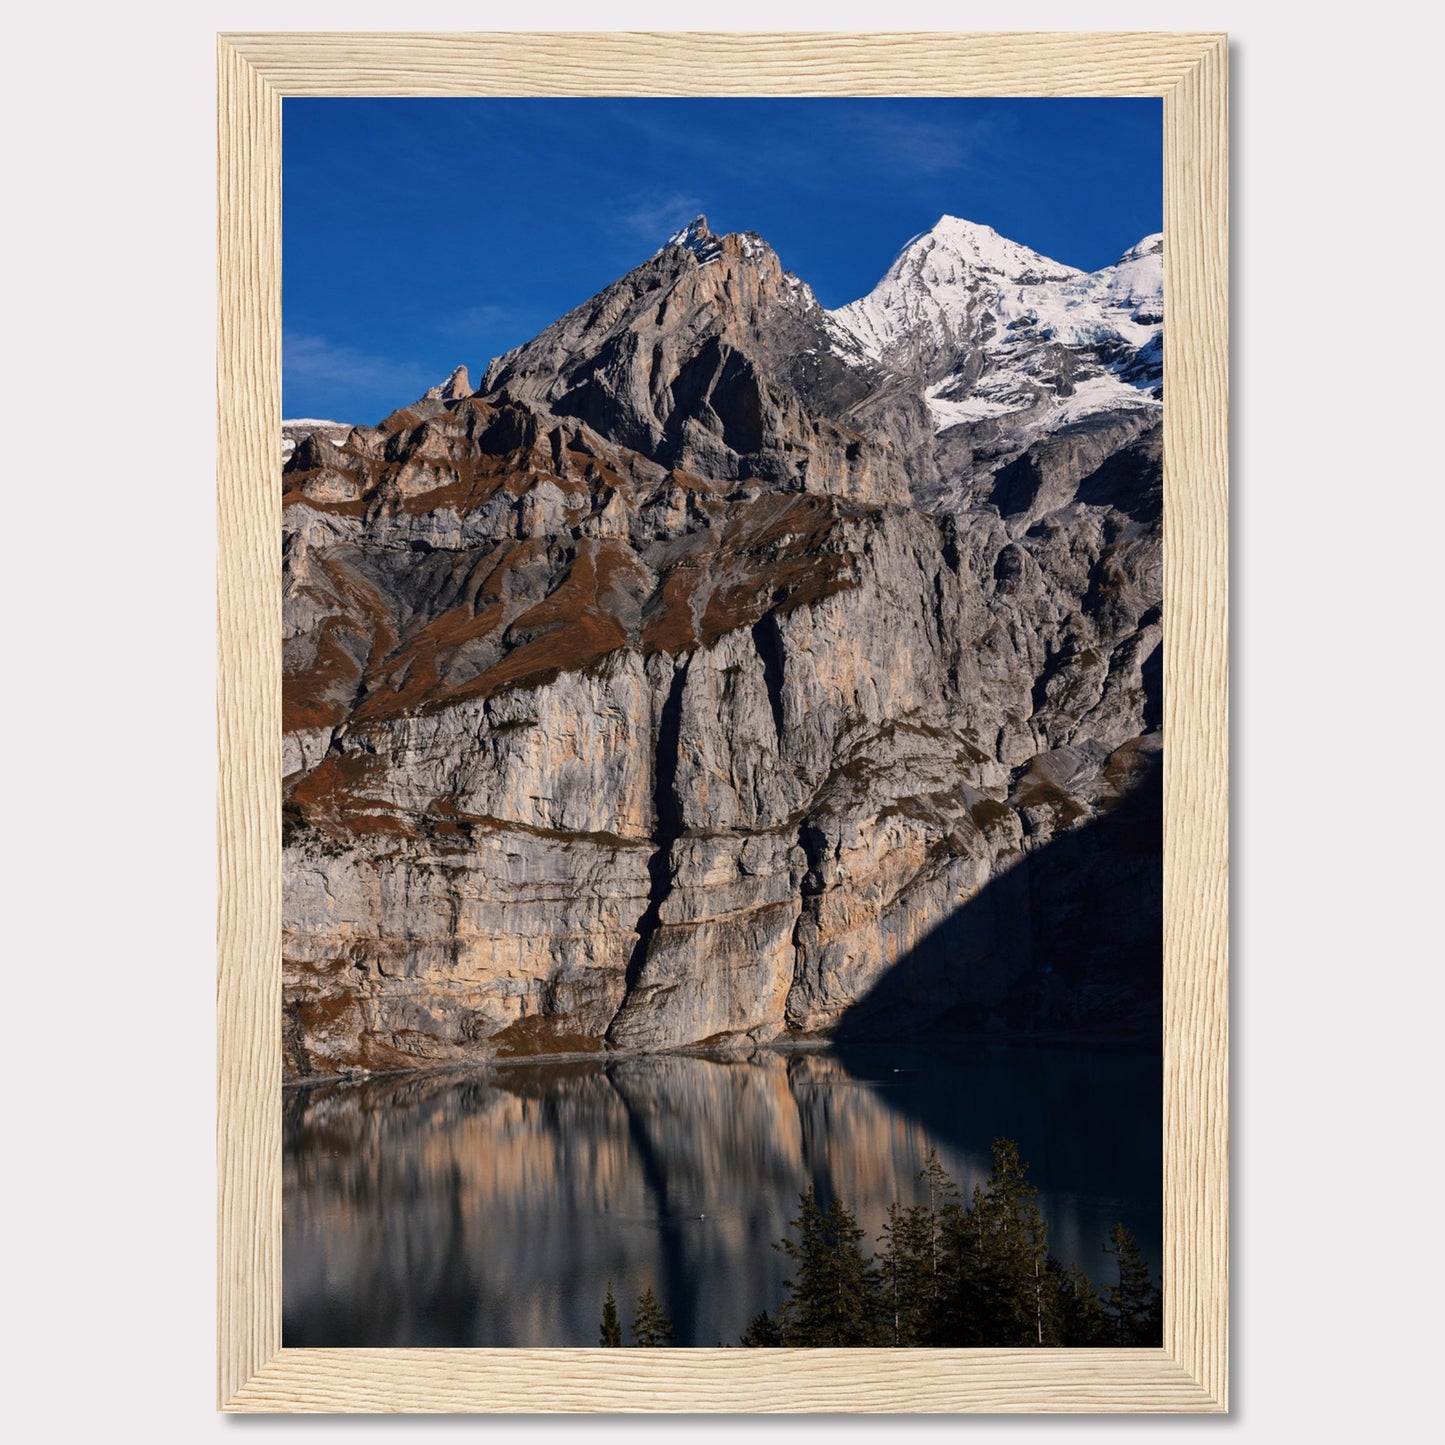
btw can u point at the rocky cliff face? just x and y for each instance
(696, 679)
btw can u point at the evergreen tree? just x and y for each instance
(943, 1220)
(1081, 1317)
(611, 1325)
(763, 1332)
(903, 1271)
(834, 1298)
(914, 1264)
(1133, 1305)
(949, 1275)
(650, 1327)
(1001, 1289)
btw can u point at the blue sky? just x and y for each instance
(423, 233)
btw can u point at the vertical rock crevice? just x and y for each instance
(807, 931)
(769, 642)
(666, 829)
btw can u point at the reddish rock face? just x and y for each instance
(633, 700)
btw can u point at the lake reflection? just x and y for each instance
(493, 1209)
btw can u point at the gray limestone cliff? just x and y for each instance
(683, 684)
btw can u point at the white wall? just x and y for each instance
(109, 734)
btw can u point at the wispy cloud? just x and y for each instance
(313, 362)
(484, 316)
(919, 144)
(654, 216)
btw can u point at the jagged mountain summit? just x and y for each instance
(457, 385)
(711, 357)
(685, 683)
(994, 328)
(698, 238)
(1010, 347)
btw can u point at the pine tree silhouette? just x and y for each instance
(650, 1327)
(835, 1297)
(611, 1325)
(1133, 1304)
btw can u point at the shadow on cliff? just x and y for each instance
(1067, 945)
(1052, 973)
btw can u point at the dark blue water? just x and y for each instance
(494, 1209)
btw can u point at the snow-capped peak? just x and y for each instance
(983, 249)
(1134, 284)
(996, 329)
(938, 282)
(697, 238)
(1149, 246)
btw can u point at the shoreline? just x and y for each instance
(1124, 1042)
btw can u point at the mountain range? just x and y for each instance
(723, 669)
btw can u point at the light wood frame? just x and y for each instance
(1189, 71)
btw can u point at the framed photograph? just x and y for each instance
(723, 722)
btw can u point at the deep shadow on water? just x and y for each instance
(494, 1209)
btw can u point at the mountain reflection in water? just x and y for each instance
(494, 1209)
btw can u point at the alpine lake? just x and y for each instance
(495, 1207)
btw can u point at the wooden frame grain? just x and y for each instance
(1189, 71)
